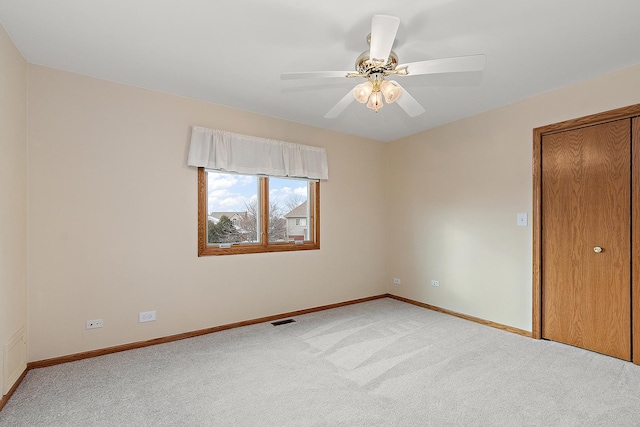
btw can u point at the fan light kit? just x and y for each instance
(371, 92)
(380, 62)
(376, 87)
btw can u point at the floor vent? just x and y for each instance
(282, 322)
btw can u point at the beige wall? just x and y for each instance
(112, 223)
(455, 192)
(112, 213)
(13, 211)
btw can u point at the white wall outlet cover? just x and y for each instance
(146, 316)
(93, 324)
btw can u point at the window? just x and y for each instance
(242, 206)
(240, 214)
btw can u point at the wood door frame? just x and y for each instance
(594, 119)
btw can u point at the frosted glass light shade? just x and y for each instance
(375, 101)
(362, 91)
(391, 91)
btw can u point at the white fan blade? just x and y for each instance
(314, 75)
(408, 103)
(383, 34)
(340, 106)
(446, 65)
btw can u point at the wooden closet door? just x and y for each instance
(586, 205)
(635, 238)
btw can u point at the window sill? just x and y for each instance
(257, 249)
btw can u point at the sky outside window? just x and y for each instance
(233, 192)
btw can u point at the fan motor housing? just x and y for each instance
(365, 65)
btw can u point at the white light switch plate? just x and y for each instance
(522, 220)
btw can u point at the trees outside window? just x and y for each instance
(224, 231)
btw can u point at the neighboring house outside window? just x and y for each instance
(297, 228)
(235, 217)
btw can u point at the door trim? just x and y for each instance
(594, 119)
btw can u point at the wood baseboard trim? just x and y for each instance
(7, 396)
(140, 344)
(192, 334)
(464, 316)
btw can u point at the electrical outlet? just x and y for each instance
(435, 283)
(396, 281)
(93, 324)
(146, 316)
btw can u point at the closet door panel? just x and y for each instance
(586, 238)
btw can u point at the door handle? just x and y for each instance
(597, 249)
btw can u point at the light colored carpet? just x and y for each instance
(380, 363)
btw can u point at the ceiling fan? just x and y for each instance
(379, 63)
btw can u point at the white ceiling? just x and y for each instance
(233, 52)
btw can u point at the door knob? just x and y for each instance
(597, 249)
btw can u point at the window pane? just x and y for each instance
(288, 210)
(233, 208)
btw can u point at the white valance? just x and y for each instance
(231, 152)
